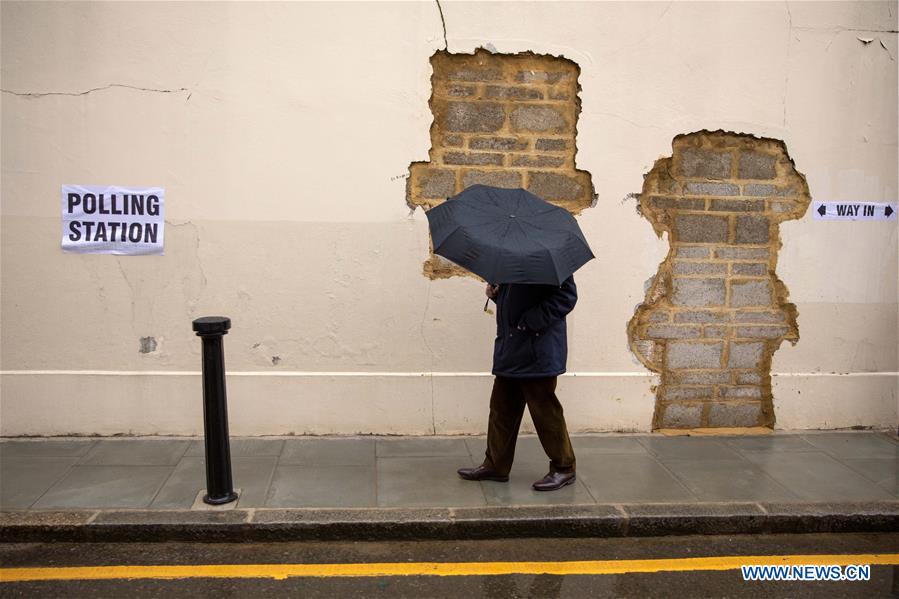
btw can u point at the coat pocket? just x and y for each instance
(515, 352)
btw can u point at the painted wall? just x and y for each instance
(282, 133)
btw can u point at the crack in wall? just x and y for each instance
(716, 311)
(443, 22)
(95, 89)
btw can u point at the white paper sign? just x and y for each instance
(98, 219)
(853, 211)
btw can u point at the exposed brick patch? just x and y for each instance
(719, 280)
(502, 120)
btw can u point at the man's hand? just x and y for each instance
(492, 291)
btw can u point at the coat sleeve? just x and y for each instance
(553, 308)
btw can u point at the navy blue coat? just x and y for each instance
(531, 335)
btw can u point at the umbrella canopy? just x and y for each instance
(508, 236)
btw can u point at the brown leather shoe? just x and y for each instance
(482, 473)
(553, 481)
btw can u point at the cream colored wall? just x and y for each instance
(282, 145)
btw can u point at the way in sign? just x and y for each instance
(854, 211)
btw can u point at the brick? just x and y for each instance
(498, 143)
(714, 332)
(477, 159)
(691, 252)
(713, 189)
(749, 378)
(513, 93)
(700, 228)
(472, 117)
(434, 183)
(552, 145)
(698, 292)
(745, 355)
(538, 161)
(473, 74)
(554, 187)
(737, 206)
(659, 331)
(751, 269)
(693, 354)
(460, 91)
(705, 163)
(701, 316)
(508, 179)
(676, 415)
(747, 316)
(559, 95)
(669, 393)
(453, 141)
(762, 332)
(755, 165)
(752, 229)
(735, 414)
(550, 77)
(750, 293)
(759, 190)
(741, 392)
(700, 268)
(705, 377)
(538, 118)
(742, 253)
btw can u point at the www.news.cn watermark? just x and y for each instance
(807, 573)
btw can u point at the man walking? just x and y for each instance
(530, 351)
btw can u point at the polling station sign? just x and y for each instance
(100, 219)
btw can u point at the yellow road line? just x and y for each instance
(282, 571)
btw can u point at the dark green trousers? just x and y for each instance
(507, 402)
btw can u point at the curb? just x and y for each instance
(605, 520)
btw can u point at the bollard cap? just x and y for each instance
(212, 325)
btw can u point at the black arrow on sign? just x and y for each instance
(888, 210)
(822, 209)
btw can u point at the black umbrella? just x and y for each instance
(508, 236)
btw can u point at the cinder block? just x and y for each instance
(738, 205)
(698, 292)
(473, 159)
(555, 187)
(659, 316)
(749, 293)
(759, 190)
(550, 77)
(539, 118)
(432, 183)
(677, 415)
(705, 377)
(476, 74)
(735, 253)
(735, 414)
(700, 268)
(694, 354)
(453, 141)
(471, 117)
(749, 378)
(662, 331)
(713, 189)
(740, 392)
(552, 145)
(745, 355)
(538, 161)
(691, 252)
(508, 179)
(756, 316)
(761, 332)
(715, 332)
(755, 165)
(705, 163)
(752, 229)
(751, 269)
(503, 144)
(513, 93)
(701, 316)
(701, 228)
(670, 393)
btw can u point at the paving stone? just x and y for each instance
(636, 478)
(855, 445)
(422, 447)
(770, 443)
(106, 487)
(135, 452)
(246, 446)
(426, 482)
(712, 479)
(46, 448)
(24, 479)
(687, 448)
(518, 490)
(328, 452)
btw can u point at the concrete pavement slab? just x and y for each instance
(426, 482)
(24, 479)
(630, 478)
(328, 452)
(38, 447)
(242, 447)
(848, 445)
(421, 447)
(135, 452)
(322, 486)
(728, 480)
(679, 448)
(106, 487)
(518, 490)
(769, 443)
(882, 471)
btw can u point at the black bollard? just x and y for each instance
(219, 486)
